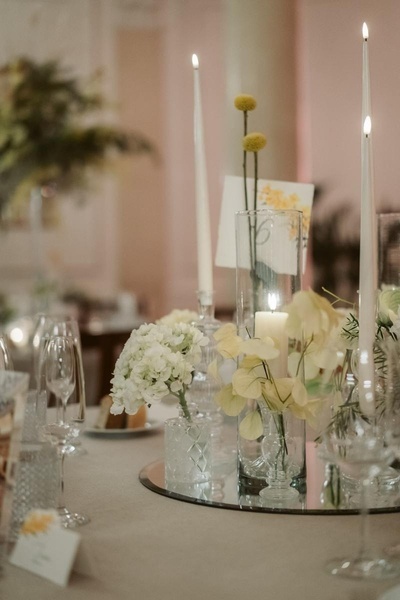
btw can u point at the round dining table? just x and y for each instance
(146, 546)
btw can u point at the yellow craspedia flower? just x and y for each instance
(253, 142)
(245, 102)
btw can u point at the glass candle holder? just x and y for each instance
(269, 251)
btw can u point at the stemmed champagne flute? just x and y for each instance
(46, 327)
(59, 370)
(360, 453)
(68, 326)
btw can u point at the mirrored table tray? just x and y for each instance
(222, 491)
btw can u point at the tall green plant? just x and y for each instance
(44, 132)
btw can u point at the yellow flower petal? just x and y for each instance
(278, 393)
(388, 304)
(253, 362)
(299, 393)
(251, 427)
(309, 412)
(225, 331)
(246, 383)
(231, 403)
(311, 370)
(264, 348)
(229, 346)
(310, 314)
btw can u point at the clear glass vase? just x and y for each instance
(187, 451)
(269, 257)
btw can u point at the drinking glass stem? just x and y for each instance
(364, 547)
(61, 501)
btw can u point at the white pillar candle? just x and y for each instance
(272, 324)
(204, 254)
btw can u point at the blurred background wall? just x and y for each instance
(135, 231)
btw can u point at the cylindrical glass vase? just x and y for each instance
(389, 250)
(269, 252)
(187, 451)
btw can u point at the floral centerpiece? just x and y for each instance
(156, 361)
(275, 403)
(319, 350)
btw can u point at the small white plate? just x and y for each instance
(151, 425)
(392, 594)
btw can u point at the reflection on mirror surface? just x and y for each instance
(326, 493)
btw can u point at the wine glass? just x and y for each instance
(51, 325)
(59, 370)
(360, 452)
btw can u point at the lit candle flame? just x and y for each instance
(272, 301)
(367, 125)
(195, 61)
(365, 31)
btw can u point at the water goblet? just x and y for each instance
(59, 369)
(362, 454)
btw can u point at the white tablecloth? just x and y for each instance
(141, 545)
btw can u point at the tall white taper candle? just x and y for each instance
(367, 285)
(368, 248)
(366, 112)
(204, 253)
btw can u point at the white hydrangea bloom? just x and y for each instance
(179, 316)
(156, 360)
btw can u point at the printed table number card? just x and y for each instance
(276, 195)
(44, 547)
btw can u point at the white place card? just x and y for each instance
(270, 194)
(45, 548)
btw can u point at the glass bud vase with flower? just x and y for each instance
(157, 361)
(274, 409)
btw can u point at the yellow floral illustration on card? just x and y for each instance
(276, 199)
(38, 522)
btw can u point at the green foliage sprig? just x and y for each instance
(43, 135)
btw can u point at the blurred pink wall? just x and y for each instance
(330, 71)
